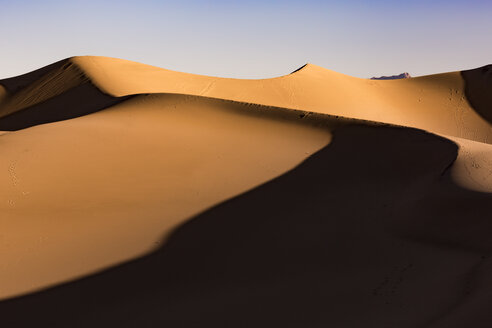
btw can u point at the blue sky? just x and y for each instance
(251, 39)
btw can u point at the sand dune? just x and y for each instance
(388, 243)
(438, 103)
(307, 208)
(131, 173)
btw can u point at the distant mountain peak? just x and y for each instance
(393, 77)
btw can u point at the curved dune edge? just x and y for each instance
(473, 166)
(390, 243)
(107, 186)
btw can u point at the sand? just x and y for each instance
(473, 167)
(3, 93)
(290, 196)
(436, 103)
(109, 185)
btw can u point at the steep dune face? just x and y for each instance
(59, 79)
(57, 92)
(478, 90)
(35, 87)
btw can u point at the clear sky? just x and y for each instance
(251, 39)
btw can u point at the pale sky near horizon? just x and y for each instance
(251, 39)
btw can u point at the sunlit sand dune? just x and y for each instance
(289, 201)
(437, 103)
(109, 185)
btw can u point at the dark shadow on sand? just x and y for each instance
(77, 101)
(478, 90)
(16, 83)
(81, 100)
(368, 232)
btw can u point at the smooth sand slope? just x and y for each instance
(390, 243)
(383, 226)
(108, 186)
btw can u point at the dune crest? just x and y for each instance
(38, 86)
(436, 103)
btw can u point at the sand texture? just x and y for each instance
(135, 196)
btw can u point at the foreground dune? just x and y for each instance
(108, 185)
(389, 243)
(295, 202)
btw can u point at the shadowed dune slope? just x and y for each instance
(27, 90)
(391, 243)
(3, 93)
(56, 92)
(478, 90)
(83, 194)
(17, 83)
(437, 103)
(78, 101)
